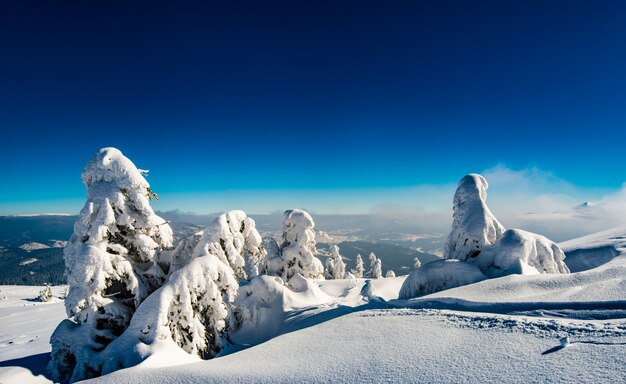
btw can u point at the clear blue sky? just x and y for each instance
(220, 98)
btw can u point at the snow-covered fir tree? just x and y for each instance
(335, 267)
(390, 273)
(232, 237)
(192, 309)
(298, 247)
(112, 261)
(416, 263)
(376, 267)
(329, 268)
(45, 295)
(473, 225)
(359, 269)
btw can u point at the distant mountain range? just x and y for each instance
(31, 247)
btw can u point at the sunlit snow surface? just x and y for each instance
(507, 329)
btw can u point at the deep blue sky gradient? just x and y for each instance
(232, 96)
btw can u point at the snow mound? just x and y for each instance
(473, 226)
(438, 276)
(263, 304)
(33, 246)
(523, 253)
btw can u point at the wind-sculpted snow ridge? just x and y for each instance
(478, 238)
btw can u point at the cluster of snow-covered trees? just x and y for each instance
(479, 247)
(129, 286)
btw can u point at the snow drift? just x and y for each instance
(438, 276)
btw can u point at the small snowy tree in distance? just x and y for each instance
(376, 267)
(359, 269)
(390, 273)
(329, 268)
(340, 266)
(45, 295)
(298, 247)
(112, 260)
(417, 263)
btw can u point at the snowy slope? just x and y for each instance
(25, 329)
(413, 346)
(499, 330)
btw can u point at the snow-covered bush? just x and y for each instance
(439, 275)
(359, 269)
(298, 247)
(416, 263)
(112, 260)
(473, 226)
(521, 252)
(390, 273)
(335, 267)
(376, 267)
(45, 295)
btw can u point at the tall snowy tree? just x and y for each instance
(473, 225)
(359, 269)
(298, 247)
(376, 267)
(335, 267)
(112, 260)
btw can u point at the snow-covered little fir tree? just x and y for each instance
(416, 263)
(359, 269)
(390, 273)
(45, 295)
(298, 247)
(335, 267)
(112, 261)
(232, 237)
(376, 267)
(274, 259)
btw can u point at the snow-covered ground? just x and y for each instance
(25, 328)
(499, 330)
